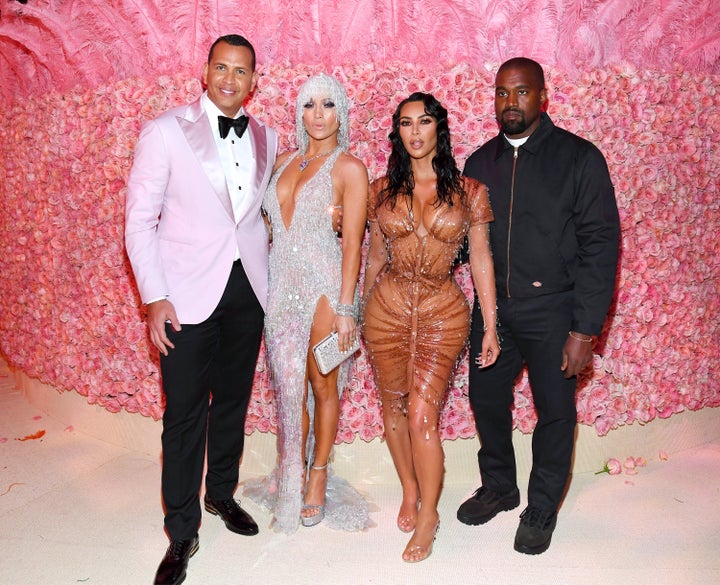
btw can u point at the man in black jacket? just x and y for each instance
(555, 243)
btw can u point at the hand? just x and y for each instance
(158, 313)
(346, 330)
(577, 354)
(490, 349)
(337, 216)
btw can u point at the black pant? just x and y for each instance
(533, 331)
(214, 358)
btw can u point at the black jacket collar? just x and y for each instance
(534, 142)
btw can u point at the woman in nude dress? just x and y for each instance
(416, 318)
(312, 291)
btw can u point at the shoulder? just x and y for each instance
(585, 154)
(473, 186)
(485, 152)
(351, 167)
(283, 157)
(260, 125)
(163, 129)
(476, 193)
(169, 117)
(378, 184)
(375, 188)
(572, 140)
(477, 201)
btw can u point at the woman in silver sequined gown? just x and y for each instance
(313, 291)
(416, 317)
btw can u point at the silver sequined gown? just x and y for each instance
(305, 264)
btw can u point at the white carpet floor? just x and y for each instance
(77, 509)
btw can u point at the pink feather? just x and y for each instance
(54, 45)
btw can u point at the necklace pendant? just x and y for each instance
(303, 164)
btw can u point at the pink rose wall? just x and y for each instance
(77, 80)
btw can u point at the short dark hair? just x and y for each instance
(524, 62)
(235, 41)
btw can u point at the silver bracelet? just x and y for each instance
(343, 310)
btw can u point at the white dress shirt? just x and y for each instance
(237, 159)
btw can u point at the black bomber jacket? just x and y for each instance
(556, 222)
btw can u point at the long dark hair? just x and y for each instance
(400, 179)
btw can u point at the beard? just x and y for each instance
(515, 126)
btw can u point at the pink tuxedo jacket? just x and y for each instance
(180, 232)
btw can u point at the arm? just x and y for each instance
(377, 255)
(353, 186)
(145, 194)
(597, 227)
(597, 230)
(483, 274)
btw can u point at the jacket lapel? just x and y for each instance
(196, 127)
(260, 150)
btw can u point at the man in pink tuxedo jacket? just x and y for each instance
(199, 248)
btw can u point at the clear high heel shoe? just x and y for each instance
(318, 509)
(417, 553)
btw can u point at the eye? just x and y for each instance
(404, 122)
(329, 104)
(308, 105)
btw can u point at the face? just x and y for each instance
(518, 101)
(418, 130)
(229, 77)
(320, 118)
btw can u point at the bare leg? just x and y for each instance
(428, 460)
(327, 411)
(397, 436)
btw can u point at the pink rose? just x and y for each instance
(612, 467)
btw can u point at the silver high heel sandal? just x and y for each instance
(319, 514)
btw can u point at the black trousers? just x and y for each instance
(533, 331)
(207, 380)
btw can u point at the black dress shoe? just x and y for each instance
(173, 567)
(236, 519)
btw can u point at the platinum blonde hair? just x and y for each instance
(322, 86)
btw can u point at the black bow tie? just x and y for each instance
(225, 123)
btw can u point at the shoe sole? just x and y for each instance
(214, 511)
(532, 550)
(477, 520)
(315, 519)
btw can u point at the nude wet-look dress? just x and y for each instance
(416, 318)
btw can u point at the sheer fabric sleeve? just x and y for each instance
(477, 198)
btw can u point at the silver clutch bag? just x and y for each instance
(328, 356)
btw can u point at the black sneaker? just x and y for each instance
(485, 504)
(535, 531)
